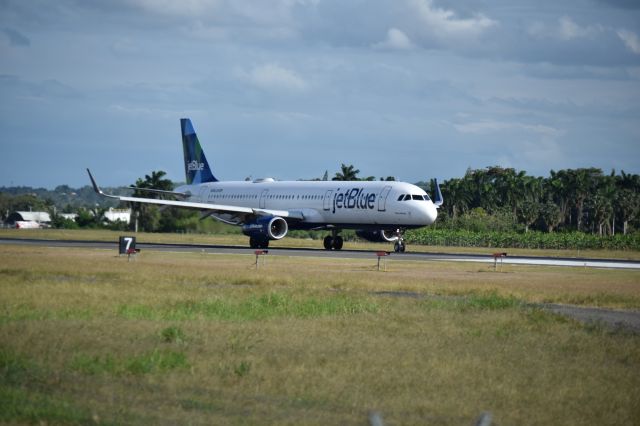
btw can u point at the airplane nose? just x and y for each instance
(431, 213)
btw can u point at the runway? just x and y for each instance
(344, 254)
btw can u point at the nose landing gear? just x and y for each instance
(399, 246)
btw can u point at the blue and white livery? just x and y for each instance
(267, 209)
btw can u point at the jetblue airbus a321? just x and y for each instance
(267, 209)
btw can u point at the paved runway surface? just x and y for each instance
(345, 254)
(627, 320)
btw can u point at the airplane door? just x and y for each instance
(382, 199)
(203, 194)
(327, 200)
(263, 198)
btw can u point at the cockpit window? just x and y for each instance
(401, 197)
(407, 197)
(417, 197)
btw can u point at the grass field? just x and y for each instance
(241, 240)
(87, 337)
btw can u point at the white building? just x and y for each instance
(113, 215)
(29, 219)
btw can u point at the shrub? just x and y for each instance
(529, 240)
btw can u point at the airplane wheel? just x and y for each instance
(399, 247)
(253, 243)
(338, 242)
(258, 243)
(328, 242)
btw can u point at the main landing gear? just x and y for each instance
(333, 241)
(258, 243)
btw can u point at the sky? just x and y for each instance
(415, 89)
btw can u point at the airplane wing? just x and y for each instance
(161, 192)
(243, 214)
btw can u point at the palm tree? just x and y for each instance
(346, 173)
(458, 196)
(583, 187)
(627, 198)
(154, 181)
(147, 215)
(602, 202)
(551, 215)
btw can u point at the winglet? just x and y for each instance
(95, 185)
(437, 199)
(97, 188)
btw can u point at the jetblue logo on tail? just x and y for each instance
(194, 166)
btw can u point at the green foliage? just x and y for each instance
(480, 302)
(22, 202)
(242, 369)
(346, 173)
(530, 240)
(583, 199)
(478, 220)
(15, 370)
(155, 361)
(20, 406)
(251, 309)
(173, 334)
(19, 400)
(60, 222)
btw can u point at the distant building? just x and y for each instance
(29, 220)
(113, 215)
(69, 216)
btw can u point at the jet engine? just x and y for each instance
(377, 235)
(266, 228)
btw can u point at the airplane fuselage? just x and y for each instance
(325, 204)
(266, 209)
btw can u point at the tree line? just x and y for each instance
(585, 200)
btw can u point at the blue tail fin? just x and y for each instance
(437, 199)
(196, 167)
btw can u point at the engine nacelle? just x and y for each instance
(266, 227)
(377, 235)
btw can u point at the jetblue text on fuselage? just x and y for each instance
(354, 198)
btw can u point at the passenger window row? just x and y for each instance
(270, 197)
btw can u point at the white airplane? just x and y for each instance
(266, 209)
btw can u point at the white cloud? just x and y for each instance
(185, 8)
(564, 29)
(274, 77)
(396, 40)
(491, 126)
(445, 23)
(568, 29)
(631, 40)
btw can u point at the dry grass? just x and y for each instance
(88, 337)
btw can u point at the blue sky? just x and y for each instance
(290, 88)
